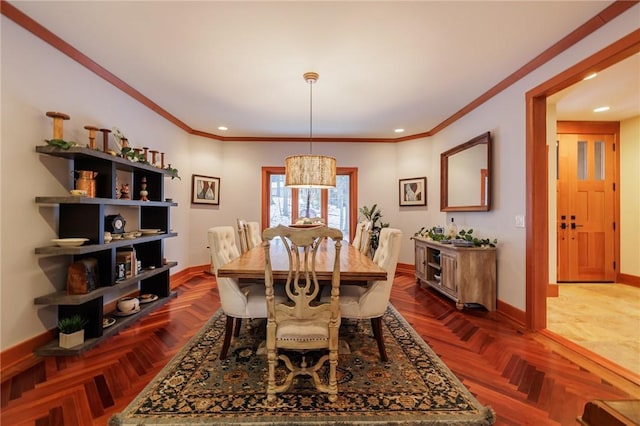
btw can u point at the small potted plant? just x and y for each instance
(71, 331)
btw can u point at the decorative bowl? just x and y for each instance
(78, 192)
(149, 231)
(128, 304)
(69, 242)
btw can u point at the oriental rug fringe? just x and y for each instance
(413, 388)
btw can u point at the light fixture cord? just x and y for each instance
(307, 214)
(311, 116)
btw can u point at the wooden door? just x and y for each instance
(586, 207)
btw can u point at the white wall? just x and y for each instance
(630, 196)
(241, 189)
(36, 78)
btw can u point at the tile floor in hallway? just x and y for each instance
(603, 318)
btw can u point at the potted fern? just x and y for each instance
(71, 331)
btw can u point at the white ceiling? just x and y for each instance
(382, 65)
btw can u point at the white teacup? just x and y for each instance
(128, 304)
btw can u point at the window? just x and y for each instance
(337, 206)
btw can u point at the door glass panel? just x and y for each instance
(598, 161)
(280, 206)
(582, 160)
(339, 205)
(309, 203)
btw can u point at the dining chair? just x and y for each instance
(370, 302)
(365, 242)
(303, 323)
(237, 302)
(252, 232)
(242, 234)
(357, 239)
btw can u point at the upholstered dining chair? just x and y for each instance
(365, 242)
(237, 302)
(242, 235)
(303, 323)
(252, 232)
(357, 239)
(370, 302)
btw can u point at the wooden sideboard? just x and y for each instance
(467, 275)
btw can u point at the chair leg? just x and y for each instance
(228, 331)
(376, 326)
(236, 330)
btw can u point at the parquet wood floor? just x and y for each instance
(525, 381)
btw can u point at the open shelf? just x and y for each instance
(52, 348)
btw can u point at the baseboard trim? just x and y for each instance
(405, 268)
(22, 352)
(512, 314)
(632, 280)
(607, 370)
(552, 290)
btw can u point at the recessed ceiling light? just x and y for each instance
(601, 109)
(590, 76)
(399, 130)
(223, 128)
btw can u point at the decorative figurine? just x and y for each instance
(143, 189)
(124, 191)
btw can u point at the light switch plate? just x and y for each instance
(519, 221)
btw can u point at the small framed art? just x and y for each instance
(413, 192)
(205, 190)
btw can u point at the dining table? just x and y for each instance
(355, 267)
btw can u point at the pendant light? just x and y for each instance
(310, 171)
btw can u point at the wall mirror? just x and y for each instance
(465, 176)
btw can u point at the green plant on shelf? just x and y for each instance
(61, 143)
(172, 172)
(71, 324)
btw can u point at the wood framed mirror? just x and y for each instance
(465, 176)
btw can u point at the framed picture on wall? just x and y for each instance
(205, 190)
(413, 192)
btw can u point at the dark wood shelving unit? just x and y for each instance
(81, 216)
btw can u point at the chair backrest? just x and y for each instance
(222, 244)
(242, 234)
(252, 231)
(357, 239)
(377, 295)
(302, 285)
(365, 242)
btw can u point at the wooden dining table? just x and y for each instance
(355, 266)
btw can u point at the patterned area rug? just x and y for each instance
(413, 388)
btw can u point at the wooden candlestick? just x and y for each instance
(153, 157)
(58, 118)
(92, 136)
(105, 139)
(162, 160)
(146, 150)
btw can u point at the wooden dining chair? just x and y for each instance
(371, 302)
(303, 323)
(237, 302)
